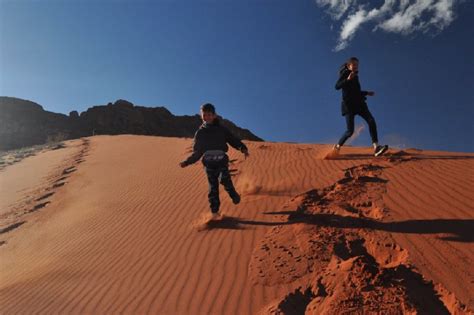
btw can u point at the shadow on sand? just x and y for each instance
(455, 229)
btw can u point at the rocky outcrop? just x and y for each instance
(25, 123)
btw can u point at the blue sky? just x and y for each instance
(268, 65)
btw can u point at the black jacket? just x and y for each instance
(353, 99)
(213, 137)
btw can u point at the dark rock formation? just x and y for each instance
(25, 123)
(74, 114)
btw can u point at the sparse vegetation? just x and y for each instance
(55, 138)
(10, 157)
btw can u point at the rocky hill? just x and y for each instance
(25, 123)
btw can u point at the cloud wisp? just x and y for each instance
(393, 16)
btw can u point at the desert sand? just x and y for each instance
(112, 224)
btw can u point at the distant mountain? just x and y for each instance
(25, 123)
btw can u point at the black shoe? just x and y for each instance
(380, 149)
(235, 198)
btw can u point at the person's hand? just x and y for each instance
(183, 164)
(370, 93)
(352, 75)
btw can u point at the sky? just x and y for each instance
(267, 65)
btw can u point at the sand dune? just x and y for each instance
(111, 224)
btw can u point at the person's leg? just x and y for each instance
(226, 181)
(372, 126)
(378, 149)
(350, 129)
(213, 195)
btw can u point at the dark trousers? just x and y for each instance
(350, 126)
(219, 172)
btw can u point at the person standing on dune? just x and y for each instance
(354, 103)
(210, 143)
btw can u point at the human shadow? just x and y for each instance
(456, 230)
(226, 223)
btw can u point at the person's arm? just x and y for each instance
(368, 93)
(235, 142)
(343, 79)
(197, 151)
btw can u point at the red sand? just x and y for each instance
(112, 224)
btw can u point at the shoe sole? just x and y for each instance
(236, 201)
(382, 152)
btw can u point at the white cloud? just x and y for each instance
(337, 8)
(395, 16)
(409, 20)
(444, 13)
(354, 21)
(349, 27)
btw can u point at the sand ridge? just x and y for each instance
(36, 194)
(119, 236)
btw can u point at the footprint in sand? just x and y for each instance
(45, 196)
(39, 206)
(11, 227)
(69, 170)
(59, 184)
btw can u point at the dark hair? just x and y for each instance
(343, 67)
(208, 108)
(351, 59)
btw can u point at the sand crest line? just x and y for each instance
(40, 197)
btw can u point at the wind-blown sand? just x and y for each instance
(112, 224)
